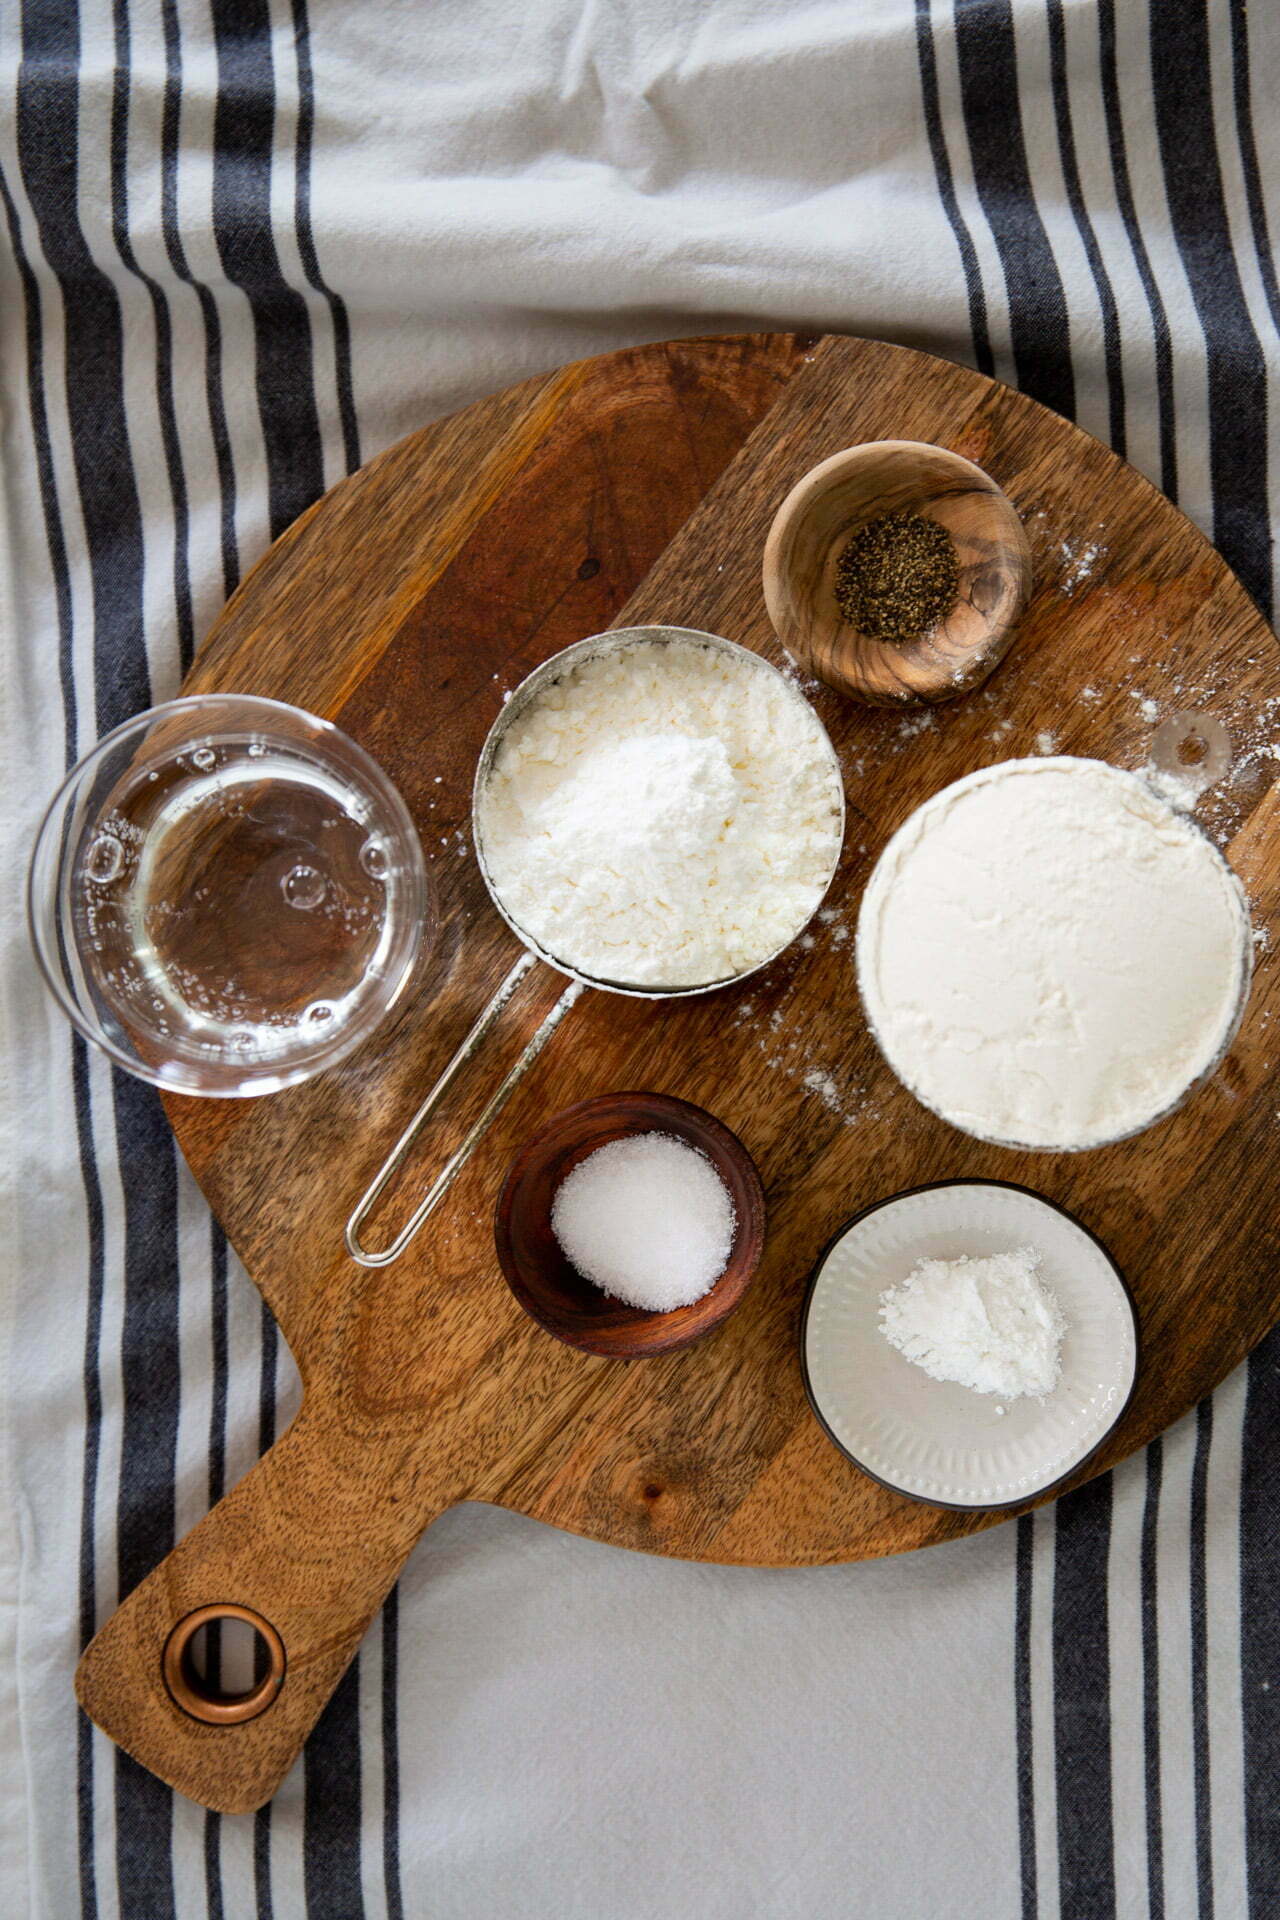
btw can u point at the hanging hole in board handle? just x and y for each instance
(1193, 748)
(189, 1690)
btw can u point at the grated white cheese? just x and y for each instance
(989, 1324)
(665, 815)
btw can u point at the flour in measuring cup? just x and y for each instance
(665, 815)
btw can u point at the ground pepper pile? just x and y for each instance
(897, 577)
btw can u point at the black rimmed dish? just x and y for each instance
(931, 1440)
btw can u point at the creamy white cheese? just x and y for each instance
(1050, 955)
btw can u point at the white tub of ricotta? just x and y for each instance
(1050, 955)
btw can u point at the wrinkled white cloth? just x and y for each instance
(1049, 1717)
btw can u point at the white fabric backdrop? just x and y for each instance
(1050, 1718)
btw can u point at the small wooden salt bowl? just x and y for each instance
(826, 508)
(553, 1292)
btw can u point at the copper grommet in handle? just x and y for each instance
(183, 1684)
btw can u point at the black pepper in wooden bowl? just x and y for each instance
(897, 577)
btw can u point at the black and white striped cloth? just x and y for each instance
(250, 242)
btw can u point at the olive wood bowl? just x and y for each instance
(826, 508)
(553, 1292)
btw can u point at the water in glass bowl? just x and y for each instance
(238, 907)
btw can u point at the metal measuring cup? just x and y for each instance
(535, 954)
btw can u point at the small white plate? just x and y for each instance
(930, 1439)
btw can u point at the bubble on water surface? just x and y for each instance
(105, 859)
(204, 758)
(319, 1012)
(373, 858)
(304, 887)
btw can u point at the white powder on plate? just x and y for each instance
(665, 815)
(647, 1219)
(1050, 955)
(989, 1324)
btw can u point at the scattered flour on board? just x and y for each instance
(824, 1086)
(783, 1038)
(1078, 563)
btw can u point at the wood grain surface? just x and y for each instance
(638, 488)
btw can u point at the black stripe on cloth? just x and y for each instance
(213, 1858)
(1249, 154)
(1181, 68)
(1149, 1577)
(263, 1906)
(244, 128)
(1084, 225)
(48, 105)
(331, 1854)
(1022, 1714)
(91, 1374)
(169, 129)
(1199, 1574)
(1109, 75)
(932, 105)
(391, 1755)
(1082, 1702)
(306, 239)
(164, 332)
(1260, 1628)
(146, 1500)
(48, 90)
(1038, 325)
(52, 512)
(89, 1177)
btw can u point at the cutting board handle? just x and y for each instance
(308, 1545)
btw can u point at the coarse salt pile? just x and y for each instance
(646, 1219)
(989, 1324)
(665, 815)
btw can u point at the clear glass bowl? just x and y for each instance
(227, 895)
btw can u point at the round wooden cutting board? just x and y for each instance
(636, 488)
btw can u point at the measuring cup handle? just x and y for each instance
(306, 1549)
(382, 1257)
